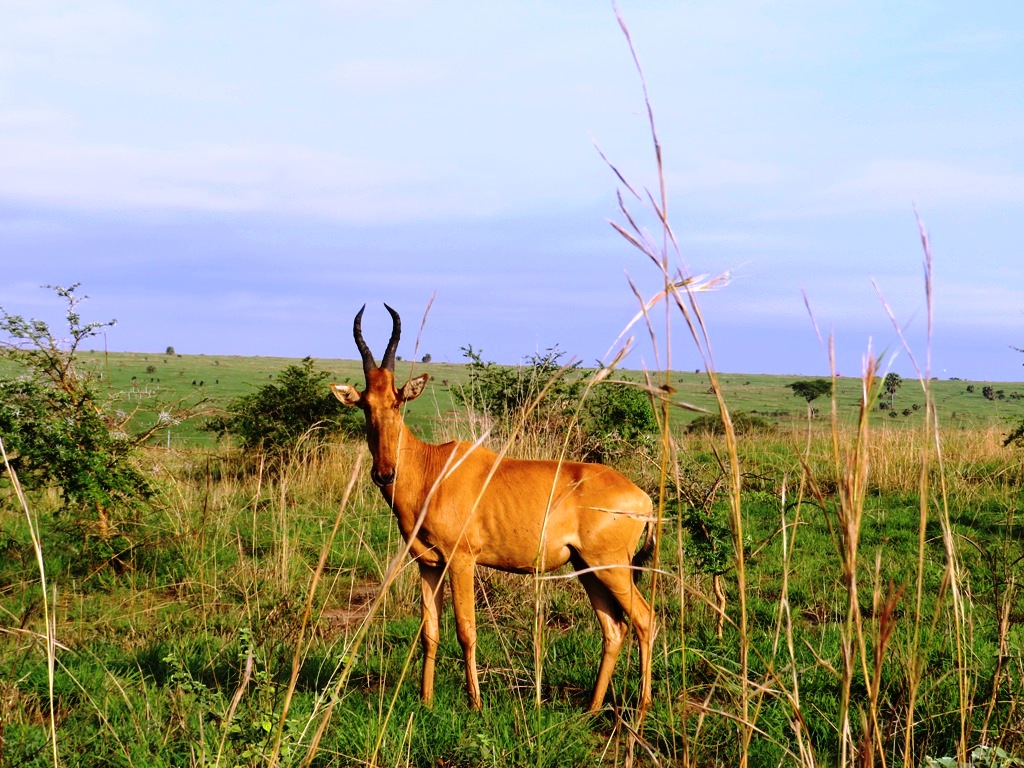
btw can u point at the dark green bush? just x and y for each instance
(1016, 437)
(62, 441)
(281, 415)
(743, 423)
(510, 396)
(618, 420)
(620, 411)
(546, 397)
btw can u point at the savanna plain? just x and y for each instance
(854, 598)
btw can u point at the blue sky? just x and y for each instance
(239, 178)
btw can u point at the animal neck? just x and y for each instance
(411, 467)
(420, 464)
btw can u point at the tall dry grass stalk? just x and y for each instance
(679, 293)
(851, 468)
(961, 624)
(314, 583)
(49, 618)
(860, 459)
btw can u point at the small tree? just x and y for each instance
(742, 423)
(169, 352)
(545, 398)
(427, 358)
(506, 395)
(59, 430)
(616, 410)
(277, 416)
(890, 384)
(811, 389)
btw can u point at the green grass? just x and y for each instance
(219, 378)
(154, 645)
(156, 627)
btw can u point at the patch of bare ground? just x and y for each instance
(341, 619)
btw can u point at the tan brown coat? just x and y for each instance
(460, 505)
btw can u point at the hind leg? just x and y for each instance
(613, 630)
(614, 594)
(619, 581)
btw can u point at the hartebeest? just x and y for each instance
(460, 505)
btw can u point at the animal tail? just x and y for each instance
(646, 551)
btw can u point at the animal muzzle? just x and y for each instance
(382, 480)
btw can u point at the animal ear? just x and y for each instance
(414, 387)
(348, 395)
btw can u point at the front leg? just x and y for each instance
(432, 589)
(463, 572)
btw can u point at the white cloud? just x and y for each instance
(385, 8)
(981, 306)
(388, 75)
(55, 35)
(248, 177)
(713, 173)
(884, 184)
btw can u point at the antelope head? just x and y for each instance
(381, 402)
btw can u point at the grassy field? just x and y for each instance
(182, 641)
(148, 382)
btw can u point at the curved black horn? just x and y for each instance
(364, 351)
(388, 361)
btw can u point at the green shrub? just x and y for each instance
(59, 431)
(618, 419)
(545, 397)
(509, 396)
(280, 415)
(743, 423)
(59, 441)
(620, 411)
(1016, 437)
